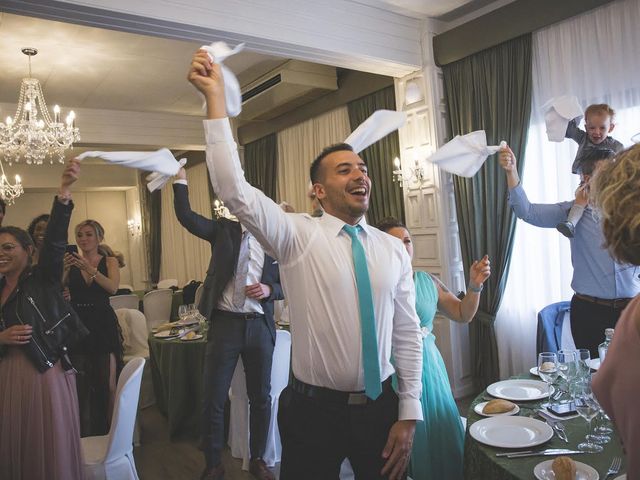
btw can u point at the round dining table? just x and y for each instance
(176, 369)
(481, 462)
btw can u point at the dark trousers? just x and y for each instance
(318, 435)
(230, 338)
(588, 322)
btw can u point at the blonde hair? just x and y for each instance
(106, 251)
(616, 193)
(599, 109)
(97, 228)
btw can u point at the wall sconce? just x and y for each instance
(134, 227)
(218, 208)
(415, 174)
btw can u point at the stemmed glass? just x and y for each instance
(183, 312)
(587, 407)
(548, 370)
(583, 356)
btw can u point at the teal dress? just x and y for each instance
(439, 439)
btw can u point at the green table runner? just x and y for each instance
(480, 461)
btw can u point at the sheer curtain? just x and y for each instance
(592, 56)
(185, 256)
(298, 146)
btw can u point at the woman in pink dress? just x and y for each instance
(617, 384)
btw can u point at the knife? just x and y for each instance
(545, 453)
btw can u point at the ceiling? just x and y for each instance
(108, 69)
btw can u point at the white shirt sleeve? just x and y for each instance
(259, 214)
(406, 344)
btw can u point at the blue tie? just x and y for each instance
(370, 359)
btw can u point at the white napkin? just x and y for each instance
(636, 138)
(380, 124)
(158, 180)
(464, 155)
(161, 161)
(557, 113)
(218, 52)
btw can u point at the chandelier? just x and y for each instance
(9, 192)
(32, 138)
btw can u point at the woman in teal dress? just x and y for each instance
(439, 439)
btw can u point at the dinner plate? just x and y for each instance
(520, 390)
(621, 477)
(543, 471)
(534, 371)
(185, 339)
(165, 334)
(478, 409)
(511, 432)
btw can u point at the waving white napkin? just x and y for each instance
(218, 52)
(380, 124)
(557, 113)
(464, 154)
(161, 161)
(157, 180)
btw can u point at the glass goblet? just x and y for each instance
(587, 407)
(548, 370)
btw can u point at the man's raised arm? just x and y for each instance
(259, 214)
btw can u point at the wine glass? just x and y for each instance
(182, 312)
(548, 370)
(587, 407)
(567, 366)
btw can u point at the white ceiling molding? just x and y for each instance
(332, 32)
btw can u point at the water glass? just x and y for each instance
(548, 370)
(587, 407)
(567, 367)
(583, 357)
(182, 312)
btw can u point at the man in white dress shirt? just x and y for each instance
(325, 415)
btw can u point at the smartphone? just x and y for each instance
(563, 409)
(72, 249)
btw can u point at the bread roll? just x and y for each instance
(564, 468)
(498, 406)
(547, 367)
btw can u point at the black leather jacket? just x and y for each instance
(38, 301)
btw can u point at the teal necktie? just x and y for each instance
(372, 383)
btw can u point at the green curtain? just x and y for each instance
(386, 195)
(261, 163)
(489, 91)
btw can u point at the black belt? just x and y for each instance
(615, 303)
(90, 305)
(335, 396)
(238, 315)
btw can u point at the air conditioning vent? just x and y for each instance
(289, 86)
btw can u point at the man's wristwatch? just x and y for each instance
(475, 289)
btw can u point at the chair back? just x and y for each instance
(125, 286)
(124, 301)
(167, 283)
(134, 332)
(157, 307)
(281, 362)
(198, 296)
(550, 322)
(120, 440)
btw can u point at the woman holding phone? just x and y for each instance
(92, 278)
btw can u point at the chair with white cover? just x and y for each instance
(239, 413)
(111, 456)
(157, 307)
(124, 301)
(125, 286)
(198, 294)
(167, 283)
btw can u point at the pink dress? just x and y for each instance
(39, 424)
(617, 385)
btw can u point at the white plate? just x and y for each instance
(621, 477)
(519, 390)
(543, 471)
(511, 432)
(534, 371)
(185, 339)
(165, 334)
(594, 363)
(478, 409)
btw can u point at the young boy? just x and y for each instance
(599, 122)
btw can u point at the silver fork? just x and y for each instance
(614, 468)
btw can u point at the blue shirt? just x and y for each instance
(595, 273)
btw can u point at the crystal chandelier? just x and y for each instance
(9, 192)
(32, 138)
